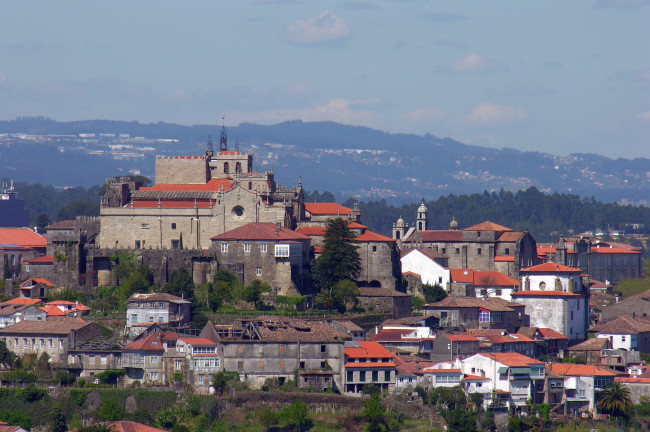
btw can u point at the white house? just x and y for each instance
(203, 361)
(430, 265)
(625, 332)
(515, 378)
(20, 309)
(581, 384)
(555, 298)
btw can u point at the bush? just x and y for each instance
(31, 394)
(166, 419)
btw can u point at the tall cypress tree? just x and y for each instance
(340, 259)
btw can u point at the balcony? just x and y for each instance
(131, 363)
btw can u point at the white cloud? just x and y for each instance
(326, 28)
(337, 110)
(644, 117)
(424, 115)
(487, 114)
(473, 63)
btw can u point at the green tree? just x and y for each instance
(296, 416)
(253, 292)
(460, 420)
(615, 400)
(340, 259)
(166, 419)
(373, 411)
(180, 284)
(57, 420)
(111, 410)
(7, 357)
(416, 303)
(220, 382)
(433, 293)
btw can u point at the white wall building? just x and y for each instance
(429, 264)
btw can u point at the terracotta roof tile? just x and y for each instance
(23, 237)
(624, 325)
(432, 236)
(33, 281)
(315, 231)
(52, 311)
(550, 268)
(487, 226)
(212, 185)
(153, 297)
(369, 236)
(368, 349)
(197, 341)
(151, 342)
(512, 359)
(327, 209)
(21, 301)
(43, 259)
(60, 325)
(593, 344)
(493, 304)
(461, 337)
(581, 370)
(543, 294)
(261, 231)
(349, 325)
(510, 237)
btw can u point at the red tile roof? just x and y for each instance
(21, 301)
(550, 268)
(369, 236)
(212, 185)
(327, 209)
(260, 231)
(61, 303)
(546, 333)
(512, 359)
(580, 370)
(429, 253)
(315, 231)
(593, 344)
(52, 311)
(631, 380)
(369, 364)
(510, 237)
(494, 304)
(129, 426)
(197, 341)
(479, 278)
(368, 349)
(623, 325)
(33, 281)
(23, 237)
(168, 204)
(151, 342)
(475, 378)
(611, 250)
(439, 236)
(487, 226)
(443, 371)
(461, 337)
(504, 258)
(43, 259)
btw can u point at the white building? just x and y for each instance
(515, 378)
(555, 298)
(581, 384)
(430, 265)
(159, 308)
(625, 332)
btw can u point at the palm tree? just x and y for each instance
(615, 400)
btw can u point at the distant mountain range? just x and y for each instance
(349, 161)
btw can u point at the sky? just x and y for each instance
(551, 76)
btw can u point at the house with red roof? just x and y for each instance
(203, 361)
(265, 251)
(380, 261)
(448, 347)
(143, 360)
(516, 378)
(471, 312)
(556, 298)
(429, 266)
(416, 340)
(18, 245)
(69, 308)
(582, 383)
(20, 309)
(35, 287)
(486, 246)
(368, 363)
(548, 342)
(484, 284)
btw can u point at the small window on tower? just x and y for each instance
(174, 225)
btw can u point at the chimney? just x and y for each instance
(277, 228)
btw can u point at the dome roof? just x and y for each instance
(423, 207)
(400, 222)
(453, 225)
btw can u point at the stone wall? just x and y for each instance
(181, 170)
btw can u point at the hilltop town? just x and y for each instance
(217, 278)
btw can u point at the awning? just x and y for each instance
(520, 371)
(502, 370)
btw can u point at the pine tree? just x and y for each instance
(340, 259)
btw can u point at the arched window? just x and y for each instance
(238, 168)
(397, 234)
(419, 226)
(226, 168)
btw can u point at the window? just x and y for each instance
(224, 247)
(362, 376)
(250, 185)
(134, 318)
(507, 251)
(478, 251)
(50, 343)
(43, 343)
(440, 280)
(571, 314)
(161, 305)
(150, 319)
(201, 380)
(483, 291)
(622, 338)
(478, 234)
(386, 375)
(263, 247)
(323, 365)
(350, 376)
(457, 251)
(484, 316)
(103, 359)
(375, 376)
(140, 305)
(174, 225)
(153, 376)
(302, 365)
(497, 291)
(247, 247)
(323, 348)
(444, 251)
(137, 244)
(374, 248)
(176, 244)
(282, 250)
(91, 359)
(258, 271)
(153, 359)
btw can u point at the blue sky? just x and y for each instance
(551, 76)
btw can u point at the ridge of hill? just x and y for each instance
(349, 161)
